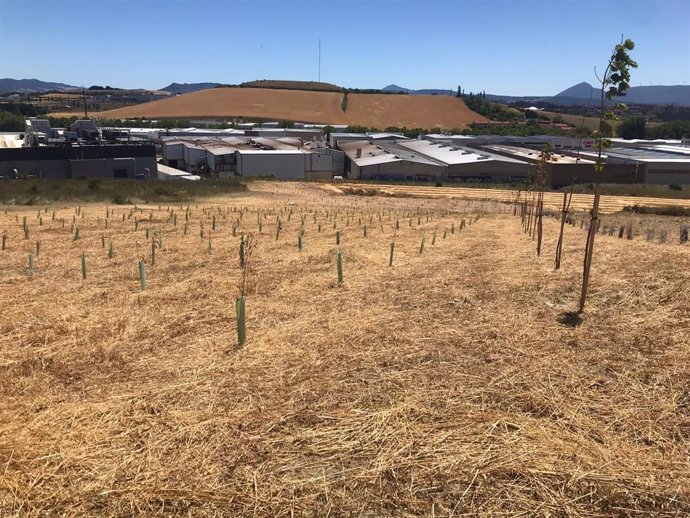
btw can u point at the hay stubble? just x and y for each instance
(443, 384)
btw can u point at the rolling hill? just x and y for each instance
(660, 94)
(185, 88)
(395, 89)
(580, 94)
(371, 110)
(30, 85)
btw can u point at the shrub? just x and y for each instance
(119, 199)
(665, 210)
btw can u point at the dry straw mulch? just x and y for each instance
(443, 386)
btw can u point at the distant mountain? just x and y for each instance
(433, 91)
(581, 93)
(30, 85)
(514, 98)
(674, 94)
(185, 88)
(395, 89)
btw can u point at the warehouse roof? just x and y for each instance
(644, 141)
(680, 150)
(369, 151)
(382, 152)
(450, 154)
(533, 154)
(400, 151)
(379, 159)
(171, 171)
(646, 155)
(388, 136)
(278, 143)
(440, 136)
(271, 151)
(222, 150)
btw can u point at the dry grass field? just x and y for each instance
(576, 121)
(411, 111)
(371, 110)
(552, 200)
(450, 384)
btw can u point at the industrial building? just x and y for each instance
(82, 151)
(662, 161)
(254, 149)
(465, 164)
(368, 161)
(423, 160)
(335, 139)
(564, 168)
(121, 161)
(656, 163)
(284, 157)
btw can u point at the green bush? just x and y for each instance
(119, 191)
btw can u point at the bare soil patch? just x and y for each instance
(370, 110)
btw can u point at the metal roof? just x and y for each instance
(383, 135)
(450, 154)
(645, 155)
(533, 154)
(439, 136)
(374, 160)
(171, 171)
(222, 150)
(680, 150)
(270, 151)
(399, 150)
(278, 143)
(617, 140)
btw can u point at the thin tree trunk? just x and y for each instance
(529, 215)
(589, 249)
(559, 245)
(533, 228)
(594, 221)
(540, 215)
(523, 214)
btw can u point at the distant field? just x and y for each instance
(371, 110)
(61, 95)
(552, 200)
(411, 111)
(575, 120)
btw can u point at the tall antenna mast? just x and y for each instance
(319, 60)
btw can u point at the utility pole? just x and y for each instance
(83, 91)
(319, 60)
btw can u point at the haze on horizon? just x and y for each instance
(512, 48)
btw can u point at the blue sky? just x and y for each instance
(529, 47)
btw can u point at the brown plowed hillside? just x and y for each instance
(411, 111)
(371, 110)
